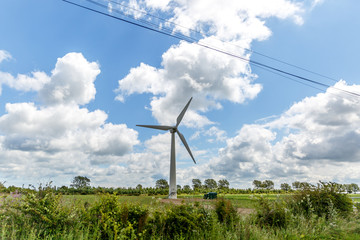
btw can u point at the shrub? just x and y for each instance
(325, 200)
(225, 212)
(357, 206)
(114, 220)
(44, 211)
(272, 213)
(104, 217)
(179, 221)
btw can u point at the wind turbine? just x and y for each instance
(173, 129)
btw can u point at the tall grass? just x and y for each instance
(319, 213)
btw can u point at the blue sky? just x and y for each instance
(74, 84)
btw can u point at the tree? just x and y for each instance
(196, 183)
(355, 187)
(351, 188)
(267, 184)
(223, 183)
(305, 185)
(80, 182)
(296, 185)
(139, 187)
(178, 187)
(162, 183)
(210, 184)
(257, 184)
(285, 187)
(186, 188)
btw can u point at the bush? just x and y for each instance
(357, 206)
(225, 212)
(44, 211)
(113, 220)
(325, 200)
(272, 213)
(179, 221)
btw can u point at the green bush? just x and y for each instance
(272, 213)
(325, 200)
(225, 212)
(357, 206)
(44, 211)
(113, 220)
(178, 221)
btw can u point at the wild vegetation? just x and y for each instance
(320, 212)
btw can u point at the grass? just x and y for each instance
(91, 199)
(246, 228)
(237, 200)
(355, 197)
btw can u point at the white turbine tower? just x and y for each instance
(173, 129)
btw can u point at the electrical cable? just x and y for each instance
(190, 40)
(198, 32)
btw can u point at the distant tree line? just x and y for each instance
(81, 185)
(296, 186)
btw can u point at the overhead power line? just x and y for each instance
(168, 32)
(198, 32)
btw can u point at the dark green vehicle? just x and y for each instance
(210, 195)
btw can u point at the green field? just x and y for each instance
(237, 200)
(143, 200)
(355, 197)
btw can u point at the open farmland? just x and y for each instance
(237, 200)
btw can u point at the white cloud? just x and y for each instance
(4, 55)
(60, 138)
(158, 4)
(318, 138)
(190, 70)
(72, 81)
(24, 82)
(213, 134)
(233, 19)
(133, 8)
(63, 128)
(21, 82)
(316, 3)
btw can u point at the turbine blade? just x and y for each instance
(185, 144)
(181, 115)
(165, 128)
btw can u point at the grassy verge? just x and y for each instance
(317, 214)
